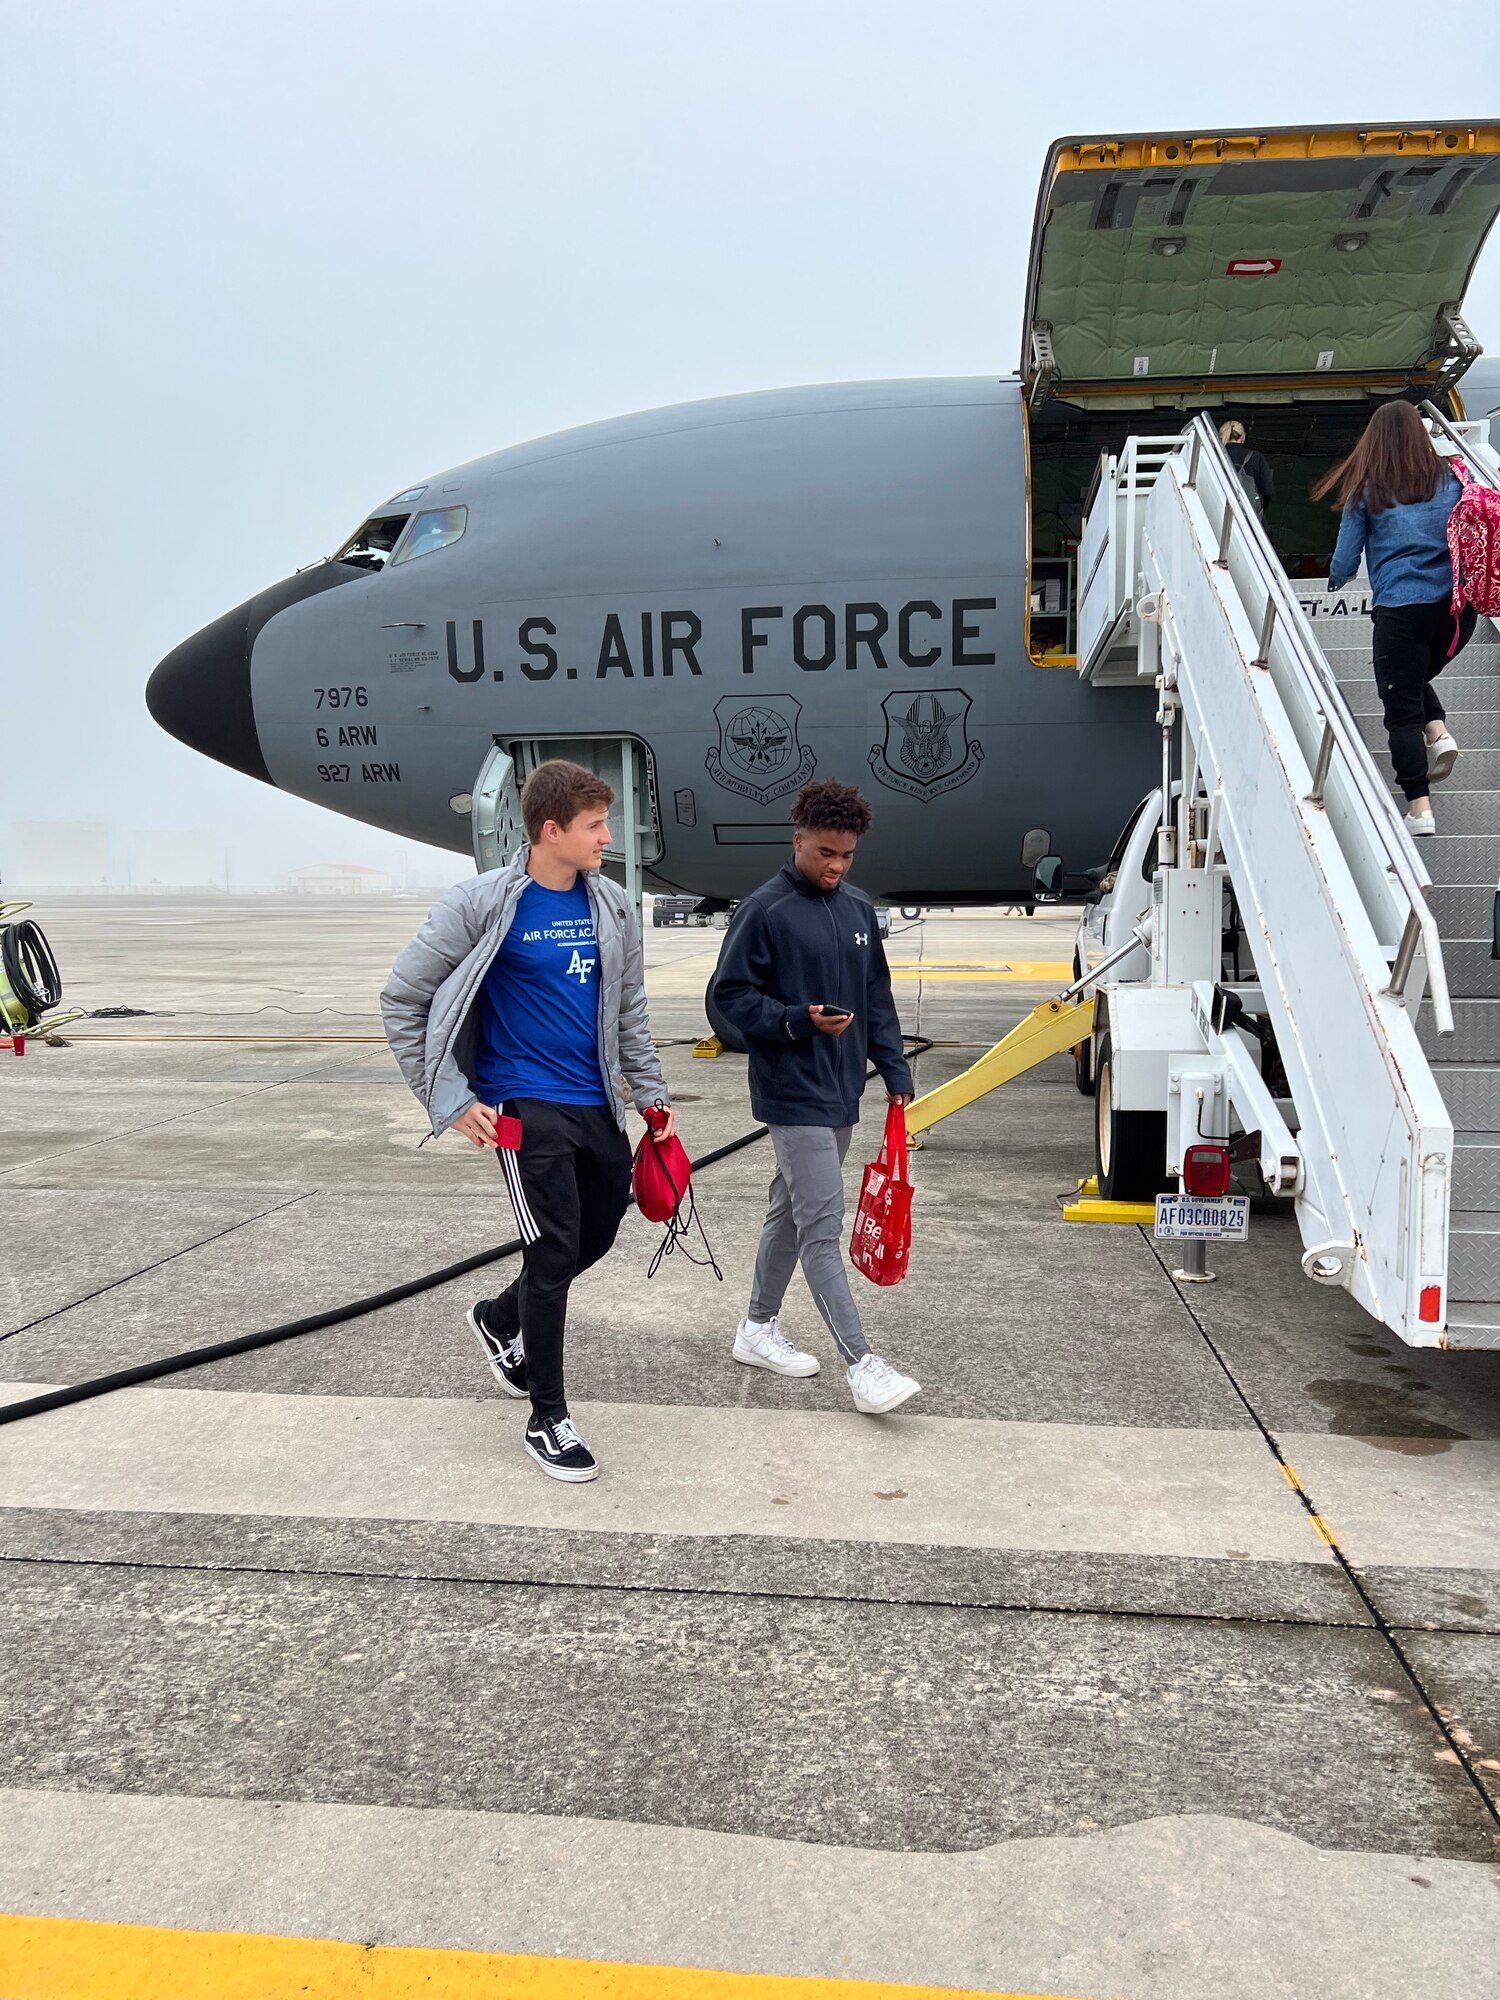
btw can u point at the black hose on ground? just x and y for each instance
(31, 969)
(271, 1336)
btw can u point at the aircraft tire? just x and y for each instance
(1083, 1053)
(730, 1037)
(911, 911)
(1130, 1147)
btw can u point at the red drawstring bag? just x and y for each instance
(661, 1180)
(881, 1243)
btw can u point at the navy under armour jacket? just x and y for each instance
(792, 946)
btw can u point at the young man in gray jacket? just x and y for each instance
(516, 1014)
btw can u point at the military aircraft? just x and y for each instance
(876, 581)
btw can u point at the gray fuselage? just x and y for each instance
(826, 581)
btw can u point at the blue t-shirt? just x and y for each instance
(539, 1009)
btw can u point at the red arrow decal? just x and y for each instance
(1252, 267)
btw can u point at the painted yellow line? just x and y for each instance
(1052, 974)
(64, 1958)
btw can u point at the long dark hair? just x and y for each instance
(1393, 464)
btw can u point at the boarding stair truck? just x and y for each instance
(1290, 280)
(1354, 1061)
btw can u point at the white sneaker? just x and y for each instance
(762, 1344)
(1420, 825)
(876, 1386)
(1442, 755)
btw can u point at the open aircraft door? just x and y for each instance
(1302, 273)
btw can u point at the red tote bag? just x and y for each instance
(881, 1243)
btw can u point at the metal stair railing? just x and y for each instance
(1330, 885)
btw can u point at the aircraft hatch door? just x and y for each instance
(1293, 261)
(623, 762)
(495, 814)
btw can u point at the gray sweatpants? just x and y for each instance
(805, 1224)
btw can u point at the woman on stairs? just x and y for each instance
(1397, 495)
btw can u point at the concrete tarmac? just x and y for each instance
(1047, 1684)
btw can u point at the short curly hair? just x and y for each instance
(833, 808)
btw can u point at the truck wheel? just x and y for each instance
(1083, 1053)
(730, 1037)
(1130, 1147)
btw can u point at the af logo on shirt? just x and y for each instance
(574, 935)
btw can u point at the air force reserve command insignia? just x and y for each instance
(757, 754)
(926, 751)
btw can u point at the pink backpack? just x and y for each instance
(1474, 545)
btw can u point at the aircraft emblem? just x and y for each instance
(758, 754)
(927, 750)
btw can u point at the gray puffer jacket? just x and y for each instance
(428, 1008)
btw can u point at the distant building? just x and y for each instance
(339, 878)
(58, 854)
(168, 858)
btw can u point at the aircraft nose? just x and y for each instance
(200, 694)
(201, 691)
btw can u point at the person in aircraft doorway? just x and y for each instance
(1255, 475)
(803, 977)
(517, 1014)
(1396, 495)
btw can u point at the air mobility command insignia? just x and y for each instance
(757, 754)
(926, 751)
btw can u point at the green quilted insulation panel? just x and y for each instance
(1114, 301)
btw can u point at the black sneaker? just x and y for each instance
(507, 1358)
(558, 1449)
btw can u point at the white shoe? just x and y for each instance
(1420, 825)
(876, 1386)
(762, 1344)
(1442, 755)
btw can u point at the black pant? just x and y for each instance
(570, 1186)
(1411, 650)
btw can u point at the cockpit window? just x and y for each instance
(435, 529)
(371, 547)
(409, 498)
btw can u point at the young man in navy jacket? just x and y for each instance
(803, 977)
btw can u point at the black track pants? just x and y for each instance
(570, 1186)
(1411, 650)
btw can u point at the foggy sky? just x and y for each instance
(266, 265)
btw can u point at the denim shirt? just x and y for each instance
(1406, 548)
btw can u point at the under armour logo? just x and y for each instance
(861, 937)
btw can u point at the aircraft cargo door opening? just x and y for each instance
(1287, 281)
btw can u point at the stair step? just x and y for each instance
(1461, 812)
(1461, 693)
(1455, 860)
(1473, 1099)
(1473, 1259)
(1475, 729)
(1475, 1037)
(1461, 697)
(1463, 915)
(1472, 973)
(1476, 1177)
(1474, 720)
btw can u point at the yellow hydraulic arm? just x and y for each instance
(1047, 1030)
